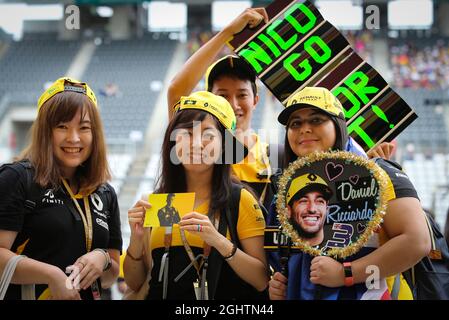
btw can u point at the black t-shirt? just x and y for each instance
(401, 184)
(53, 232)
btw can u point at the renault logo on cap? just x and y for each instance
(187, 102)
(313, 98)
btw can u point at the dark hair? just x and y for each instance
(62, 107)
(172, 178)
(341, 138)
(235, 73)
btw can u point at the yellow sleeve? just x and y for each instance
(405, 293)
(122, 259)
(251, 222)
(391, 194)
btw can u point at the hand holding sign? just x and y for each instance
(330, 203)
(251, 17)
(168, 208)
(297, 48)
(136, 217)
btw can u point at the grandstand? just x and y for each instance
(132, 65)
(128, 62)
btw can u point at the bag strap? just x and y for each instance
(28, 291)
(230, 215)
(277, 158)
(8, 272)
(31, 193)
(396, 287)
(215, 259)
(409, 275)
(431, 233)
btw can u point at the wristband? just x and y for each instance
(349, 279)
(132, 257)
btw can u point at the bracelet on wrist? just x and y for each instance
(132, 257)
(231, 255)
(108, 261)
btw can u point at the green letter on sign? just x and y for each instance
(267, 41)
(360, 87)
(352, 98)
(292, 70)
(315, 55)
(253, 56)
(309, 25)
(283, 44)
(355, 126)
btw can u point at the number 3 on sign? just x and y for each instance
(342, 235)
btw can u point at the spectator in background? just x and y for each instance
(110, 90)
(420, 67)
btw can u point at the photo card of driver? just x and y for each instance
(168, 208)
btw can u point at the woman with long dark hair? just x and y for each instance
(315, 121)
(214, 252)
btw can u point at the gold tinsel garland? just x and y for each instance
(378, 173)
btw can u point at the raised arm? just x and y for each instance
(196, 66)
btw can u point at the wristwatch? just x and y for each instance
(349, 279)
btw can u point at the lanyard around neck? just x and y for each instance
(87, 218)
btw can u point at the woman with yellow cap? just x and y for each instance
(57, 208)
(315, 121)
(212, 253)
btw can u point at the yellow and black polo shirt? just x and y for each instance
(250, 223)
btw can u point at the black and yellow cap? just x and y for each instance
(306, 183)
(225, 65)
(64, 84)
(315, 97)
(220, 108)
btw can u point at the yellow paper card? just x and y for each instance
(168, 208)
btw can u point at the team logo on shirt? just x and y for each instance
(102, 223)
(96, 200)
(49, 197)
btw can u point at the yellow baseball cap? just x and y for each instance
(306, 183)
(220, 108)
(315, 97)
(64, 84)
(225, 65)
